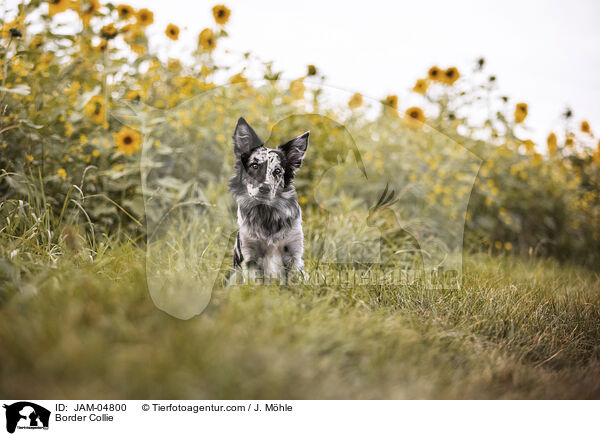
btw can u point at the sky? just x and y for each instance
(545, 53)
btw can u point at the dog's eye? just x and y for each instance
(276, 172)
(254, 166)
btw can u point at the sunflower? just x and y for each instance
(58, 6)
(138, 49)
(569, 142)
(391, 101)
(529, 145)
(520, 112)
(238, 78)
(174, 65)
(415, 116)
(585, 127)
(95, 109)
(13, 29)
(132, 33)
(109, 31)
(87, 11)
(311, 70)
(37, 41)
(570, 139)
(207, 40)
(552, 143)
(101, 45)
(297, 88)
(355, 101)
(172, 32)
(221, 14)
(434, 73)
(133, 94)
(125, 12)
(421, 86)
(61, 173)
(128, 140)
(450, 76)
(145, 17)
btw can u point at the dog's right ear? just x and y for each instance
(245, 139)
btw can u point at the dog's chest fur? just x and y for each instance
(271, 238)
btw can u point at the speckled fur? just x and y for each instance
(270, 239)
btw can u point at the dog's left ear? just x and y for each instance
(245, 139)
(294, 151)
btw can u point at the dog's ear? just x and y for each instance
(294, 151)
(245, 139)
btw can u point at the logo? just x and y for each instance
(26, 415)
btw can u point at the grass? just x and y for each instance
(516, 329)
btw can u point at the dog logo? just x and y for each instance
(26, 415)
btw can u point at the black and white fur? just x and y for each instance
(269, 242)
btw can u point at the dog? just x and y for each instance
(269, 242)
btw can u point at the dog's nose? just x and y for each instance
(264, 190)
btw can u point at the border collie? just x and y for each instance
(269, 242)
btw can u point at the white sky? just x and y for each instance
(546, 53)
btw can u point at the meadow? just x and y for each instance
(116, 226)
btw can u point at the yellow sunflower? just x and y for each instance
(552, 143)
(391, 101)
(172, 32)
(520, 112)
(434, 73)
(355, 101)
(58, 6)
(570, 140)
(415, 116)
(95, 109)
(138, 49)
(421, 86)
(145, 17)
(61, 173)
(109, 31)
(237, 78)
(297, 88)
(207, 40)
(221, 14)
(133, 94)
(128, 140)
(37, 41)
(13, 29)
(174, 65)
(450, 76)
(529, 145)
(102, 45)
(87, 10)
(585, 127)
(125, 12)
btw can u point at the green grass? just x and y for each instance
(516, 329)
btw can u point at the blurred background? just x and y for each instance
(543, 52)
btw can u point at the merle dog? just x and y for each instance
(269, 242)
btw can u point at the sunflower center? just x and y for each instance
(221, 13)
(414, 114)
(127, 140)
